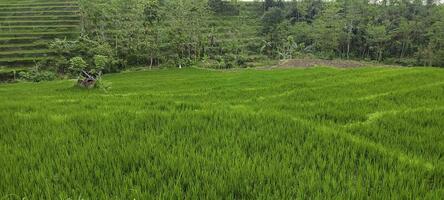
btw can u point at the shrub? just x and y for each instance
(66, 50)
(77, 64)
(63, 51)
(100, 63)
(35, 75)
(254, 46)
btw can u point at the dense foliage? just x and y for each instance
(405, 32)
(179, 33)
(322, 133)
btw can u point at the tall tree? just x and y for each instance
(271, 29)
(377, 38)
(433, 53)
(185, 36)
(327, 29)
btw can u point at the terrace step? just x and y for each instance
(20, 2)
(33, 13)
(37, 27)
(40, 17)
(17, 47)
(3, 5)
(18, 40)
(12, 31)
(38, 22)
(38, 8)
(21, 62)
(41, 34)
(26, 53)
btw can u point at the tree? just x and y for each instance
(313, 7)
(272, 3)
(268, 4)
(289, 48)
(403, 35)
(152, 19)
(77, 65)
(327, 29)
(377, 38)
(184, 34)
(354, 18)
(433, 53)
(223, 7)
(272, 29)
(100, 63)
(63, 51)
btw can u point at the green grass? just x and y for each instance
(319, 133)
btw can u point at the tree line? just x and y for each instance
(409, 32)
(182, 32)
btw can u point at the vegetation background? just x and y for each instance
(401, 32)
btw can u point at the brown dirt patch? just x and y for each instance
(307, 63)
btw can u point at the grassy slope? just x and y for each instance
(350, 134)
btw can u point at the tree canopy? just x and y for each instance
(152, 32)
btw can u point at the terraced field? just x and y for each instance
(26, 26)
(243, 28)
(317, 133)
(226, 30)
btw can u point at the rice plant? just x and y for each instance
(318, 133)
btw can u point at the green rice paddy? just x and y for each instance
(318, 133)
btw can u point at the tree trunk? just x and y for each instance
(349, 39)
(348, 50)
(380, 56)
(402, 50)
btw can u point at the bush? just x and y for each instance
(182, 62)
(229, 61)
(77, 64)
(35, 75)
(101, 84)
(67, 51)
(241, 60)
(8, 76)
(100, 62)
(254, 46)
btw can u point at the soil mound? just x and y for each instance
(306, 63)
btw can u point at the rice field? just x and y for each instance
(317, 133)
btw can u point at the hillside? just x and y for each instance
(26, 27)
